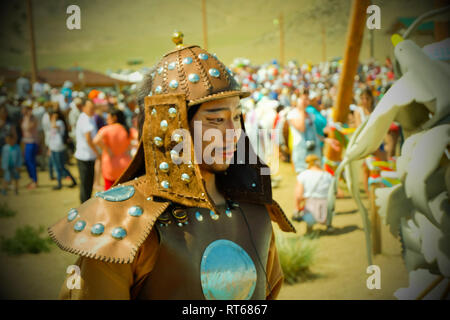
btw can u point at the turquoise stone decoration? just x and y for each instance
(171, 65)
(79, 225)
(213, 215)
(227, 272)
(150, 94)
(203, 56)
(73, 213)
(172, 112)
(187, 60)
(228, 213)
(160, 70)
(253, 185)
(164, 166)
(177, 137)
(158, 141)
(175, 156)
(193, 77)
(164, 125)
(117, 194)
(198, 216)
(185, 178)
(229, 71)
(97, 229)
(173, 84)
(119, 233)
(165, 184)
(214, 73)
(158, 89)
(153, 112)
(135, 211)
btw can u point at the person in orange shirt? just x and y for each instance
(114, 140)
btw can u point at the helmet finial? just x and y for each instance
(177, 38)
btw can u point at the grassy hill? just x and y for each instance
(114, 31)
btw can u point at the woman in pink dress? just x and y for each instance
(114, 140)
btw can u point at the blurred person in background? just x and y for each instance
(114, 140)
(311, 194)
(29, 128)
(11, 162)
(85, 151)
(304, 133)
(57, 137)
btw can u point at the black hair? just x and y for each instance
(120, 117)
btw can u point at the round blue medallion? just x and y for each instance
(119, 233)
(165, 184)
(213, 215)
(135, 211)
(158, 141)
(172, 112)
(73, 213)
(164, 125)
(164, 166)
(193, 77)
(227, 272)
(214, 72)
(203, 56)
(171, 65)
(198, 216)
(79, 225)
(173, 84)
(158, 89)
(97, 229)
(187, 60)
(228, 213)
(185, 178)
(116, 194)
(160, 70)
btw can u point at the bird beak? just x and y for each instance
(396, 39)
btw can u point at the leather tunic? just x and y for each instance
(178, 273)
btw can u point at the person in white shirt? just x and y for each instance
(311, 193)
(85, 151)
(57, 148)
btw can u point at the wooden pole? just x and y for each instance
(345, 86)
(281, 24)
(205, 26)
(353, 47)
(375, 222)
(32, 42)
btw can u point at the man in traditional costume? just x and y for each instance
(172, 228)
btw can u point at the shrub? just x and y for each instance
(6, 211)
(296, 255)
(26, 240)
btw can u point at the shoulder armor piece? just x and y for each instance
(112, 225)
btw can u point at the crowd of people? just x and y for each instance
(297, 102)
(46, 127)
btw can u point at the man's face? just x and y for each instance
(216, 119)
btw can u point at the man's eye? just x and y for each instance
(215, 120)
(237, 117)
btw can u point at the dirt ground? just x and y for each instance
(339, 268)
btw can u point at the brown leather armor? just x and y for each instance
(177, 273)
